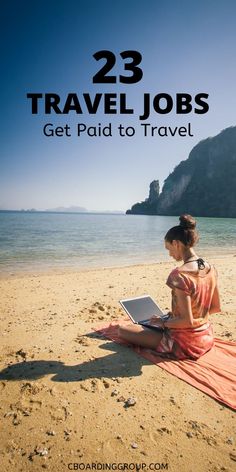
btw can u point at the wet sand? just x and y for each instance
(64, 388)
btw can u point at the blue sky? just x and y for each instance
(48, 46)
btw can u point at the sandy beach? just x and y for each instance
(63, 397)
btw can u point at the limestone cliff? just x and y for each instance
(148, 207)
(203, 185)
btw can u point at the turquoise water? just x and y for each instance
(31, 241)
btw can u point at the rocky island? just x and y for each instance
(204, 184)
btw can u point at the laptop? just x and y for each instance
(141, 309)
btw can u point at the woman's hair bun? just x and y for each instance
(187, 222)
(185, 232)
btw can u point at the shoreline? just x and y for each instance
(46, 270)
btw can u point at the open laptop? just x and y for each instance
(141, 309)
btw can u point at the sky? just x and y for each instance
(48, 47)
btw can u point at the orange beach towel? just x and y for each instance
(214, 373)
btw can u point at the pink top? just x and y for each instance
(199, 285)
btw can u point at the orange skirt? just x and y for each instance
(189, 343)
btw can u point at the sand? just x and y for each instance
(63, 406)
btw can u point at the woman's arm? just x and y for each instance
(215, 302)
(185, 320)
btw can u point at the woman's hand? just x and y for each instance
(156, 321)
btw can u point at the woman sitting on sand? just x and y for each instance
(187, 333)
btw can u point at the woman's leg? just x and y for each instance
(136, 334)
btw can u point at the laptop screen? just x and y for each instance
(141, 308)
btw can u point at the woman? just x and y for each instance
(187, 333)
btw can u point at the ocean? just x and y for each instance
(43, 241)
